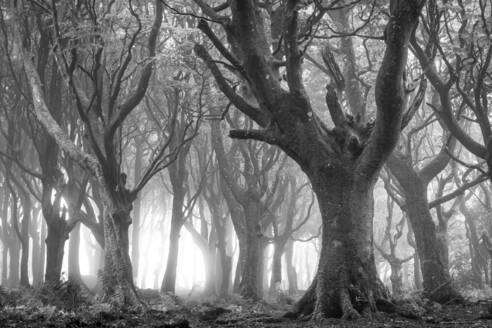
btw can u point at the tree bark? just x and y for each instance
(14, 263)
(55, 244)
(341, 165)
(276, 277)
(169, 280)
(5, 254)
(396, 279)
(26, 221)
(346, 283)
(436, 279)
(118, 285)
(291, 270)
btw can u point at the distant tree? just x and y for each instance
(103, 102)
(394, 261)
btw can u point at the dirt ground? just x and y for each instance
(168, 312)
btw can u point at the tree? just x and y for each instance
(462, 82)
(341, 163)
(102, 105)
(394, 261)
(253, 198)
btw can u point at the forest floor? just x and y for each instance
(66, 308)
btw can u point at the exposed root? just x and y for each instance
(445, 294)
(349, 313)
(305, 305)
(123, 297)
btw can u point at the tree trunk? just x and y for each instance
(396, 279)
(436, 279)
(209, 262)
(478, 262)
(276, 278)
(55, 243)
(137, 208)
(442, 242)
(249, 269)
(169, 280)
(37, 272)
(239, 266)
(291, 270)
(73, 254)
(224, 259)
(42, 250)
(117, 279)
(417, 274)
(24, 238)
(14, 256)
(250, 281)
(226, 270)
(346, 283)
(5, 254)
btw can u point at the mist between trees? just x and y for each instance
(330, 156)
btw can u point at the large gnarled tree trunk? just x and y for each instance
(342, 164)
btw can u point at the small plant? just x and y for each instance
(66, 295)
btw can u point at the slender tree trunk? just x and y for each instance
(442, 242)
(436, 279)
(226, 270)
(209, 262)
(291, 270)
(5, 254)
(276, 277)
(36, 247)
(251, 253)
(137, 209)
(417, 274)
(396, 279)
(73, 254)
(55, 243)
(42, 251)
(478, 262)
(239, 265)
(224, 261)
(24, 238)
(14, 263)
(169, 280)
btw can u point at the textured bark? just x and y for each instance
(346, 282)
(396, 279)
(436, 279)
(118, 285)
(55, 243)
(342, 164)
(250, 284)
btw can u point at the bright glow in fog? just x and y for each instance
(190, 274)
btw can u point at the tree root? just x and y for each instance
(349, 313)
